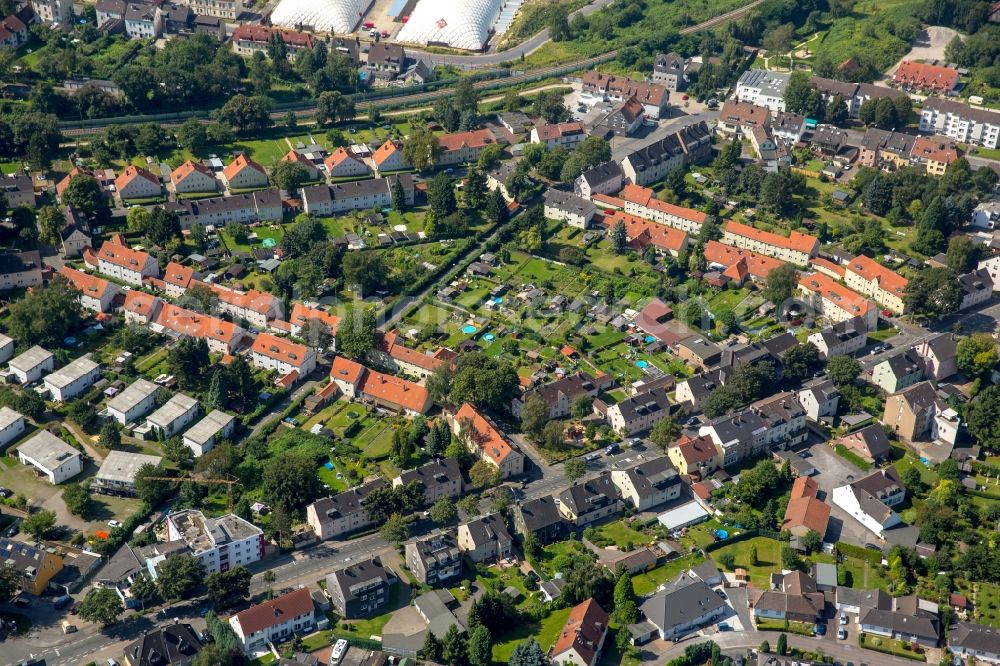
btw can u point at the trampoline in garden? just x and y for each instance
(641, 364)
(269, 242)
(489, 337)
(469, 329)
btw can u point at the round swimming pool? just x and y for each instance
(469, 329)
(489, 337)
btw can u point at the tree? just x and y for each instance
(289, 176)
(151, 491)
(574, 469)
(782, 644)
(534, 416)
(480, 647)
(422, 149)
(366, 271)
(625, 609)
(474, 193)
(527, 653)
(812, 541)
(101, 605)
(911, 479)
(843, 370)
(454, 646)
(240, 381)
(50, 221)
(765, 647)
(39, 524)
(395, 529)
(933, 292)
(790, 558)
(488, 383)
(781, 284)
(619, 238)
(179, 576)
(332, 106)
(144, 588)
(800, 97)
(214, 654)
(778, 39)
(582, 407)
(483, 475)
(836, 112)
(217, 396)
(77, 500)
(962, 255)
(558, 24)
(441, 196)
(432, 649)
(46, 314)
(188, 360)
(727, 560)
(977, 355)
(496, 208)
(110, 437)
(443, 511)
(290, 479)
(228, 587)
(549, 105)
(244, 113)
(984, 418)
(356, 334)
(664, 433)
(801, 361)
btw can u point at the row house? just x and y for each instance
(797, 248)
(835, 301)
(31, 364)
(642, 202)
(96, 294)
(171, 418)
(777, 421)
(464, 147)
(961, 122)
(736, 264)
(866, 276)
(599, 87)
(117, 260)
(651, 163)
(884, 149)
(249, 38)
(72, 379)
(325, 200)
(244, 174)
(202, 436)
(140, 307)
(853, 94)
(559, 135)
(331, 517)
(763, 88)
(223, 337)
(304, 318)
(643, 233)
(925, 77)
(255, 307)
(358, 382)
(485, 440)
(269, 352)
(132, 403)
(392, 354)
(177, 279)
(246, 208)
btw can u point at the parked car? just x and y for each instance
(820, 629)
(114, 523)
(723, 626)
(6, 492)
(843, 618)
(842, 634)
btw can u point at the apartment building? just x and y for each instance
(243, 174)
(247, 207)
(269, 352)
(841, 339)
(119, 261)
(569, 208)
(222, 336)
(763, 88)
(360, 589)
(136, 182)
(218, 543)
(642, 202)
(96, 294)
(836, 302)
(20, 269)
(486, 441)
(866, 276)
(193, 178)
(465, 147)
(797, 248)
(325, 200)
(604, 178)
(275, 621)
(434, 560)
(331, 517)
(961, 122)
(559, 135)
(72, 379)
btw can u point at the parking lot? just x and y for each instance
(832, 471)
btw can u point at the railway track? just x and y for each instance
(384, 103)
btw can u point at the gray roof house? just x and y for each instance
(966, 639)
(485, 538)
(680, 607)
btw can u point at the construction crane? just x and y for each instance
(229, 483)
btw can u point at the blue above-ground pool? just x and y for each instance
(721, 534)
(70, 341)
(649, 338)
(469, 329)
(489, 337)
(641, 364)
(269, 242)
(328, 465)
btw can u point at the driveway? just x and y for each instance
(833, 471)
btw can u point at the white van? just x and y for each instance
(339, 649)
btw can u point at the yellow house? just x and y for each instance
(35, 566)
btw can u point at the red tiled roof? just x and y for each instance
(195, 325)
(88, 285)
(131, 173)
(607, 201)
(797, 241)
(338, 156)
(836, 293)
(276, 611)
(643, 233)
(643, 196)
(389, 343)
(934, 149)
(697, 449)
(744, 114)
(872, 271)
(473, 139)
(68, 178)
(258, 33)
(121, 255)
(301, 314)
(239, 164)
(294, 156)
(281, 349)
(758, 265)
(395, 391)
(180, 276)
(261, 302)
(546, 132)
(923, 75)
(140, 303)
(820, 262)
(188, 168)
(584, 630)
(383, 152)
(346, 370)
(489, 440)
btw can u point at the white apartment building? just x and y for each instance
(7, 347)
(125, 264)
(73, 379)
(173, 416)
(218, 543)
(980, 127)
(269, 352)
(134, 402)
(11, 426)
(763, 88)
(569, 208)
(96, 294)
(797, 248)
(274, 621)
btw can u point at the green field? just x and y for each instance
(545, 632)
(768, 558)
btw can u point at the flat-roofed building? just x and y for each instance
(7, 347)
(73, 379)
(52, 457)
(117, 473)
(218, 543)
(32, 364)
(134, 402)
(203, 435)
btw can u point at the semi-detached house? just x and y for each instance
(269, 352)
(255, 307)
(192, 177)
(134, 402)
(30, 365)
(137, 183)
(341, 163)
(72, 379)
(389, 157)
(243, 174)
(96, 294)
(119, 261)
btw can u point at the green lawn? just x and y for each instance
(545, 632)
(371, 626)
(556, 556)
(621, 534)
(648, 581)
(768, 558)
(858, 578)
(985, 599)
